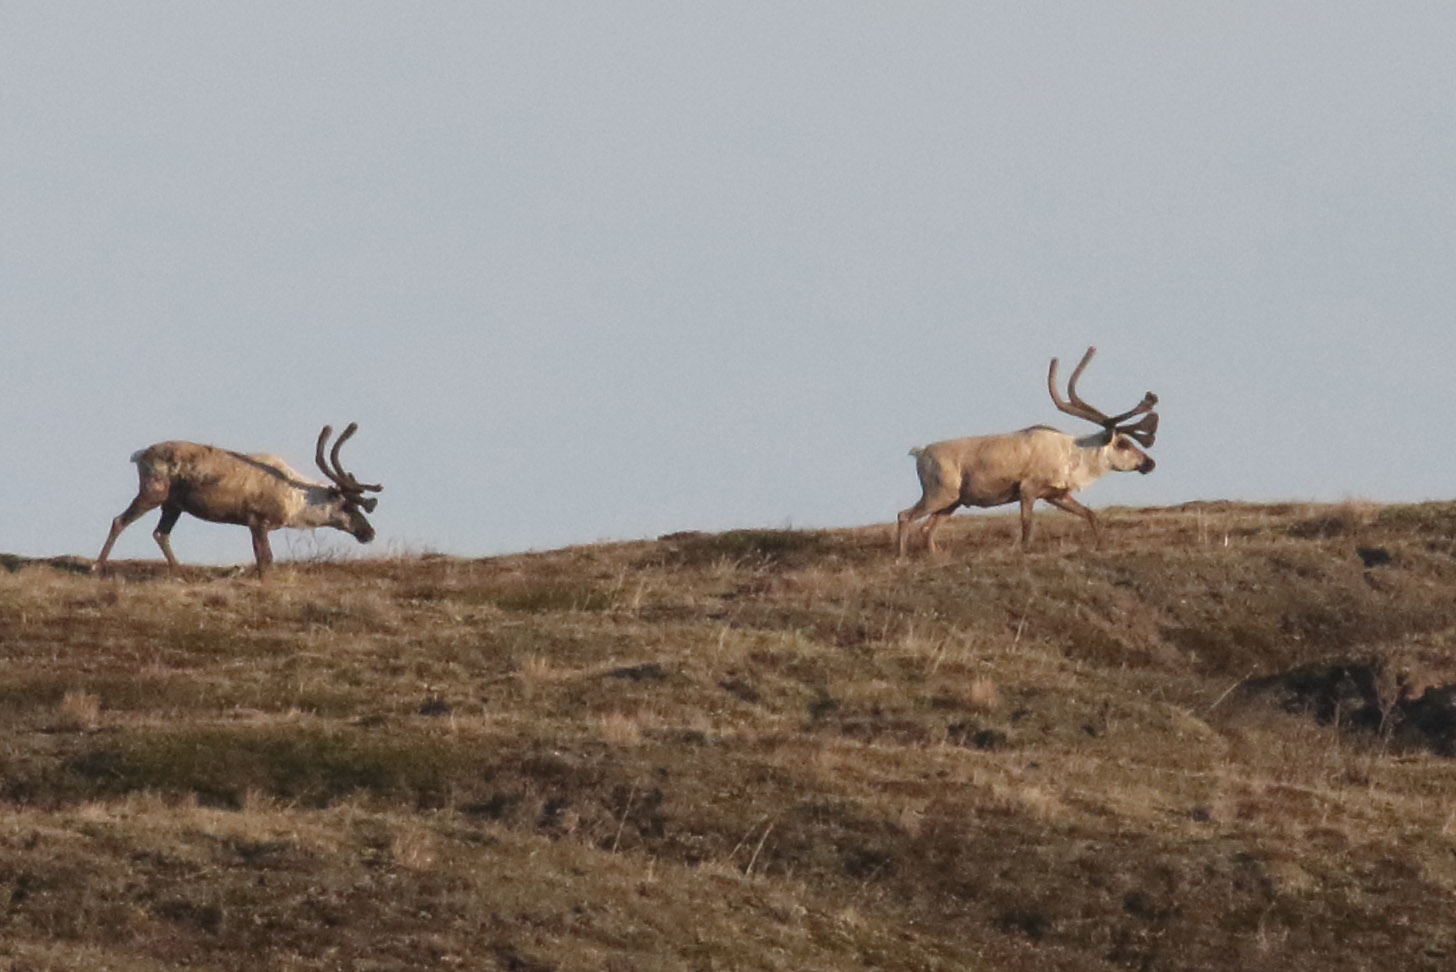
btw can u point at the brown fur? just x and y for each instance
(258, 491)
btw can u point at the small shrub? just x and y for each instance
(534, 596)
(1341, 520)
(1431, 519)
(767, 547)
(312, 767)
(72, 565)
(646, 672)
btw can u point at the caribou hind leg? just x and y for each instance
(933, 524)
(262, 552)
(148, 497)
(937, 506)
(903, 521)
(940, 495)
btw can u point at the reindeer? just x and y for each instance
(1036, 463)
(256, 490)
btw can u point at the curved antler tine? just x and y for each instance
(1081, 366)
(1076, 407)
(338, 444)
(1142, 431)
(1146, 405)
(1097, 415)
(346, 480)
(318, 454)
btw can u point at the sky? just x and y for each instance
(598, 271)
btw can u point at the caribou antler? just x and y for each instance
(353, 484)
(1144, 431)
(1076, 407)
(341, 478)
(318, 456)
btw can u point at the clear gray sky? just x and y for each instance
(588, 271)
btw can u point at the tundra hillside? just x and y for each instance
(1222, 740)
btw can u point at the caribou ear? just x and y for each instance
(367, 505)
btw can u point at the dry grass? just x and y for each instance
(80, 710)
(755, 750)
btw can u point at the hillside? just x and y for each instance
(1222, 740)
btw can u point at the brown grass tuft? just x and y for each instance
(414, 848)
(619, 729)
(982, 694)
(80, 709)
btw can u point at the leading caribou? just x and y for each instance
(256, 490)
(1036, 463)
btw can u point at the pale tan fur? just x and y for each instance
(258, 490)
(1034, 463)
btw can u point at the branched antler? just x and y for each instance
(340, 477)
(1144, 431)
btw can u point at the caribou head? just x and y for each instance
(353, 504)
(1121, 439)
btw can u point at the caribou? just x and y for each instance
(1035, 463)
(256, 490)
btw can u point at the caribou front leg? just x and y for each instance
(1064, 501)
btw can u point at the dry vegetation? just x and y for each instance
(1221, 741)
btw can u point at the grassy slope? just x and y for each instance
(744, 751)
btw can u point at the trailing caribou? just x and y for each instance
(256, 490)
(1036, 463)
